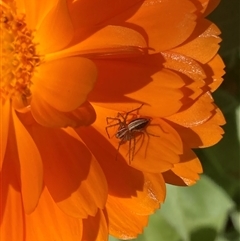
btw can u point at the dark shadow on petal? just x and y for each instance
(118, 77)
(66, 160)
(186, 134)
(101, 15)
(10, 178)
(91, 227)
(171, 178)
(201, 27)
(123, 180)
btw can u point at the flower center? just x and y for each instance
(18, 55)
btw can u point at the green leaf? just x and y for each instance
(159, 229)
(235, 217)
(226, 16)
(221, 238)
(221, 160)
(112, 239)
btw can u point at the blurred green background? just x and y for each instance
(210, 210)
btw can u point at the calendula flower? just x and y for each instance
(39, 91)
(66, 65)
(173, 78)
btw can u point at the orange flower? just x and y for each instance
(173, 77)
(46, 190)
(61, 183)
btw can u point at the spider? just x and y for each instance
(129, 130)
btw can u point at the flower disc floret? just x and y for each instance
(18, 56)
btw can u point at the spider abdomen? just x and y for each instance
(125, 132)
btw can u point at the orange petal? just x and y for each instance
(186, 66)
(147, 199)
(46, 115)
(163, 90)
(207, 5)
(153, 153)
(147, 155)
(123, 180)
(20, 5)
(188, 169)
(203, 43)
(205, 134)
(111, 37)
(124, 224)
(35, 11)
(95, 228)
(56, 30)
(48, 222)
(11, 211)
(71, 172)
(214, 70)
(200, 6)
(171, 178)
(190, 71)
(65, 83)
(210, 132)
(154, 22)
(196, 114)
(114, 80)
(105, 42)
(30, 166)
(4, 123)
(186, 172)
(140, 192)
(211, 6)
(99, 11)
(116, 86)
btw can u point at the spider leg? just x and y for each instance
(150, 134)
(113, 119)
(148, 139)
(119, 123)
(119, 144)
(133, 148)
(127, 130)
(121, 115)
(107, 127)
(129, 112)
(136, 109)
(145, 154)
(130, 152)
(139, 141)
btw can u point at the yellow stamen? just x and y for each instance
(18, 56)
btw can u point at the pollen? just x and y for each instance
(18, 56)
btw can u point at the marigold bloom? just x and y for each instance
(68, 64)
